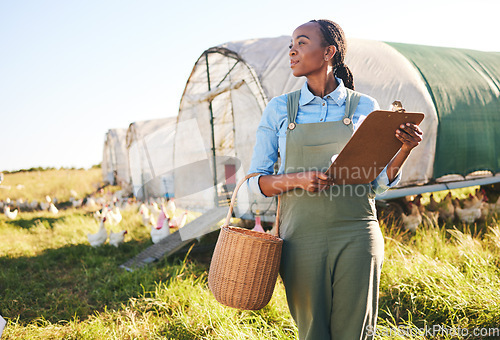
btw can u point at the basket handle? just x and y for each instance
(233, 199)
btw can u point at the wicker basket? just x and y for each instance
(245, 264)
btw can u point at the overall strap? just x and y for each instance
(292, 105)
(351, 102)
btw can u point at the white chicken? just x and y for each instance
(75, 202)
(155, 211)
(34, 205)
(472, 202)
(10, 214)
(143, 209)
(53, 210)
(170, 208)
(100, 237)
(21, 203)
(98, 215)
(114, 215)
(161, 230)
(116, 239)
(485, 209)
(414, 219)
(467, 215)
(179, 221)
(44, 206)
(91, 204)
(147, 219)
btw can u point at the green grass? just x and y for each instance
(35, 185)
(63, 288)
(53, 285)
(49, 270)
(443, 277)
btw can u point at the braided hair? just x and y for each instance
(334, 35)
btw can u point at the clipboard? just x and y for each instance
(371, 147)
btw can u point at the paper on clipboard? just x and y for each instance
(371, 147)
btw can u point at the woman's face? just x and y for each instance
(307, 55)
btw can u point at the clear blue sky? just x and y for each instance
(71, 70)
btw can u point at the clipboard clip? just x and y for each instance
(397, 106)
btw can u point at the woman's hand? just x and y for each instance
(313, 181)
(410, 135)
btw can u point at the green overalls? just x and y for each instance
(333, 247)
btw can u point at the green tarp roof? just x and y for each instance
(465, 88)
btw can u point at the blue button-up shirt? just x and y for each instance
(271, 133)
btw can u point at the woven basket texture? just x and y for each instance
(244, 268)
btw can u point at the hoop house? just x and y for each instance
(150, 154)
(115, 158)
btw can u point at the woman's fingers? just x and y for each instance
(410, 135)
(410, 131)
(322, 176)
(323, 180)
(316, 181)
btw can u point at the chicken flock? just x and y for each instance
(49, 204)
(161, 216)
(469, 210)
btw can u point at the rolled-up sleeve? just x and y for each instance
(381, 184)
(265, 152)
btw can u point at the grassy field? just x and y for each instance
(53, 285)
(35, 185)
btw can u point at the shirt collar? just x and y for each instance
(338, 95)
